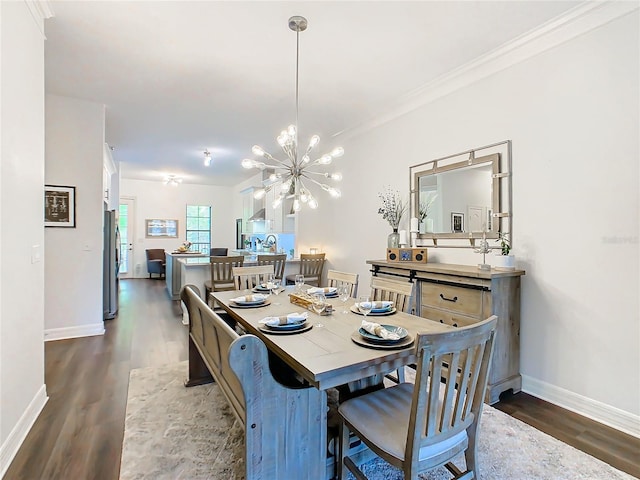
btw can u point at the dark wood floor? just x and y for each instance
(78, 435)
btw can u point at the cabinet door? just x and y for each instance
(247, 211)
(272, 216)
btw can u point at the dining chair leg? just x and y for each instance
(343, 447)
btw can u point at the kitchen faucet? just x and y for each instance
(275, 242)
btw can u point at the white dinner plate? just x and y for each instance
(355, 309)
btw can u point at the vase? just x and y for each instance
(393, 240)
(505, 262)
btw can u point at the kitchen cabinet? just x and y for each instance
(273, 216)
(250, 206)
(461, 295)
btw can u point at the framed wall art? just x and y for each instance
(59, 206)
(157, 227)
(457, 222)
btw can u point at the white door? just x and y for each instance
(477, 219)
(126, 225)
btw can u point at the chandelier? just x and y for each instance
(288, 175)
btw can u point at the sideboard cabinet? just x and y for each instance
(461, 295)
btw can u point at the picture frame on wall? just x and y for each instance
(160, 227)
(59, 206)
(457, 222)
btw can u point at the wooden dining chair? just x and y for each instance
(336, 278)
(311, 265)
(221, 275)
(278, 261)
(434, 420)
(398, 292)
(246, 278)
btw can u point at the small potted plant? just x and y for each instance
(505, 259)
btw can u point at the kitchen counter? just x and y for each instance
(173, 273)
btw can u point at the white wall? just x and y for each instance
(22, 389)
(73, 268)
(156, 200)
(572, 114)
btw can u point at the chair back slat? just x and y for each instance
(246, 278)
(336, 278)
(222, 271)
(392, 290)
(278, 262)
(311, 265)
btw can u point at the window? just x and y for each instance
(199, 228)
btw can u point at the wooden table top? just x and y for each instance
(326, 356)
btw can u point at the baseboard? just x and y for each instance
(11, 446)
(74, 332)
(600, 412)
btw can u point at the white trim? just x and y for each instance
(74, 332)
(11, 446)
(600, 412)
(40, 10)
(576, 21)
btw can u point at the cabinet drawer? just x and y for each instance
(450, 318)
(467, 301)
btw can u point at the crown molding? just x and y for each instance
(40, 10)
(576, 21)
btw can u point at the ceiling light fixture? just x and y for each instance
(207, 158)
(172, 180)
(288, 175)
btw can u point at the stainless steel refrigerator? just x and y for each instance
(111, 265)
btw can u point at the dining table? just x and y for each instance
(330, 351)
(326, 355)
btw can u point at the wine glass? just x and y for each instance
(365, 305)
(299, 283)
(275, 288)
(318, 303)
(345, 292)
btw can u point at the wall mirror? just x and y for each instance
(464, 197)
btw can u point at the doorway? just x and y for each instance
(127, 238)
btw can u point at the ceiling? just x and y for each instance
(181, 77)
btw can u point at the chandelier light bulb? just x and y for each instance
(305, 159)
(274, 176)
(258, 151)
(334, 192)
(314, 141)
(304, 197)
(260, 193)
(296, 205)
(334, 176)
(325, 159)
(277, 201)
(313, 203)
(248, 163)
(337, 152)
(291, 130)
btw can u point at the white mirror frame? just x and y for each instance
(498, 155)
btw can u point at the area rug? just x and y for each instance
(173, 432)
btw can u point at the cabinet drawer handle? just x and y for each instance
(454, 299)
